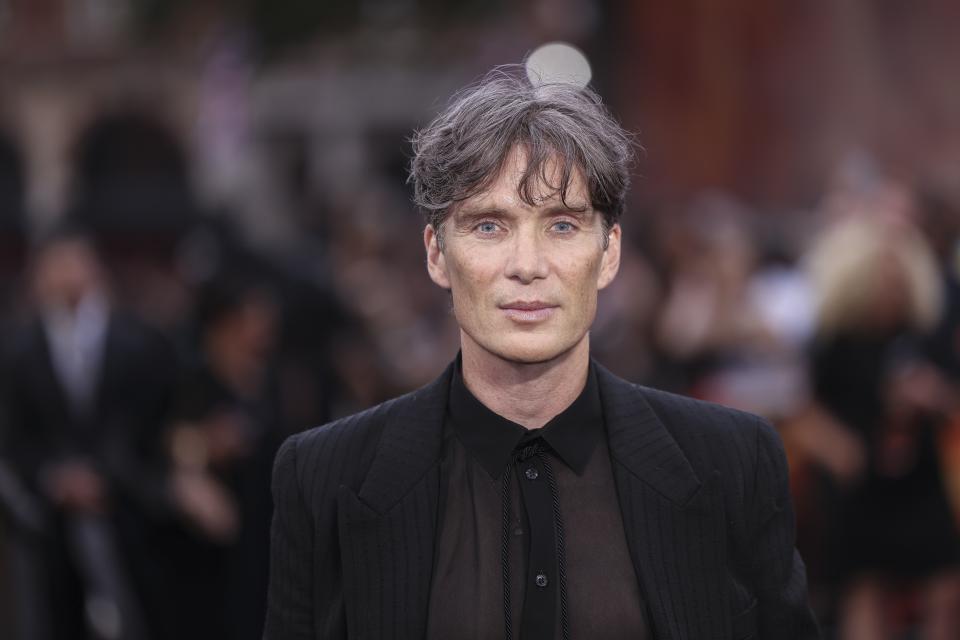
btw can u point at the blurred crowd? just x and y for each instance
(136, 460)
(206, 245)
(842, 325)
(148, 379)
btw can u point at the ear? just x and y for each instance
(610, 261)
(436, 261)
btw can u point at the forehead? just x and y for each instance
(512, 186)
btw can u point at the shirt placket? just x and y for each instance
(538, 620)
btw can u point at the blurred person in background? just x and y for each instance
(939, 219)
(528, 492)
(718, 335)
(892, 532)
(623, 331)
(230, 425)
(938, 213)
(396, 330)
(86, 392)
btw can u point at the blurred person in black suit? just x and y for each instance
(86, 392)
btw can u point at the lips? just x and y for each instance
(528, 311)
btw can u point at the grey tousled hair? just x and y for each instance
(461, 152)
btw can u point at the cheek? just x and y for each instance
(474, 272)
(470, 282)
(583, 275)
(581, 283)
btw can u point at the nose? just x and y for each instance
(527, 260)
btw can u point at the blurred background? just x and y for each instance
(207, 244)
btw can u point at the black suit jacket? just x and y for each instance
(702, 489)
(121, 434)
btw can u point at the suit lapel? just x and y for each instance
(108, 370)
(388, 528)
(673, 519)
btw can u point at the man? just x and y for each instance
(527, 492)
(86, 392)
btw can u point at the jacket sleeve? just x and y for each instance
(779, 575)
(304, 599)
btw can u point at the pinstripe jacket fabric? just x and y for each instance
(702, 490)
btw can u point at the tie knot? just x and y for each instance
(530, 449)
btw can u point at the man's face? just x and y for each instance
(524, 279)
(65, 272)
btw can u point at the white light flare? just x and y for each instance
(558, 62)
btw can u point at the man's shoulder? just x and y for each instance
(714, 434)
(365, 427)
(683, 416)
(684, 413)
(350, 426)
(356, 432)
(317, 461)
(341, 452)
(710, 434)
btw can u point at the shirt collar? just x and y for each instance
(491, 438)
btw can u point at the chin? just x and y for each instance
(527, 349)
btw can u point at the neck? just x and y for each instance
(529, 394)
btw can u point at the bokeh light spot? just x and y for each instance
(558, 62)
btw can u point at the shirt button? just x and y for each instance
(531, 473)
(541, 580)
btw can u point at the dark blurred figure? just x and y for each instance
(939, 218)
(14, 520)
(894, 541)
(12, 223)
(86, 392)
(709, 329)
(231, 425)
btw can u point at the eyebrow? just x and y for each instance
(575, 210)
(473, 213)
(468, 213)
(465, 218)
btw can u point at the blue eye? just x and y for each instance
(563, 226)
(487, 227)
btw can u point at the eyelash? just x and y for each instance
(485, 222)
(571, 225)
